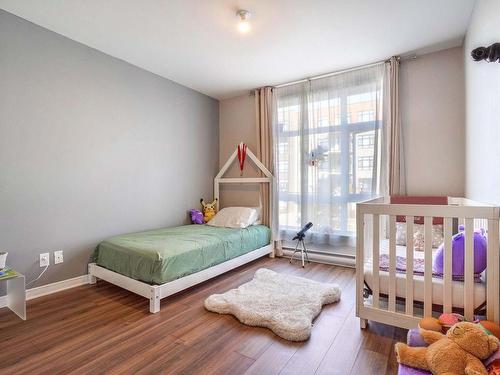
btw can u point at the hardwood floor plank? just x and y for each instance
(221, 358)
(233, 363)
(257, 340)
(375, 349)
(348, 298)
(378, 338)
(108, 336)
(308, 356)
(274, 358)
(369, 362)
(132, 364)
(191, 359)
(341, 355)
(392, 363)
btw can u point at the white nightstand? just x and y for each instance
(16, 294)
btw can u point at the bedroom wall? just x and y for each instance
(433, 120)
(237, 124)
(483, 106)
(91, 147)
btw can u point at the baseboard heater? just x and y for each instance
(318, 256)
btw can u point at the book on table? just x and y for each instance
(8, 273)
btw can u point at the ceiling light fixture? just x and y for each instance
(243, 25)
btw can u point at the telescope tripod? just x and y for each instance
(303, 251)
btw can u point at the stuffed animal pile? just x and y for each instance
(455, 346)
(445, 321)
(459, 351)
(205, 215)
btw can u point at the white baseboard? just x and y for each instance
(44, 290)
(58, 286)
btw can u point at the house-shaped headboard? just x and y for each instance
(268, 179)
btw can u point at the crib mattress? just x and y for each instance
(457, 287)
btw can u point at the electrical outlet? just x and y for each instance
(44, 259)
(58, 257)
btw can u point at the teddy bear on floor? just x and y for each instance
(459, 352)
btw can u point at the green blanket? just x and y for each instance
(162, 255)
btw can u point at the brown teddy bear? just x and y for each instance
(459, 352)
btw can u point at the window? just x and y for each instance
(328, 134)
(364, 116)
(283, 167)
(365, 163)
(366, 140)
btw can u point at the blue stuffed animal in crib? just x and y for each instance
(196, 216)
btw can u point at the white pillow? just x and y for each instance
(234, 217)
(418, 235)
(258, 221)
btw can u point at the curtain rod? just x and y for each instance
(400, 58)
(330, 74)
(408, 57)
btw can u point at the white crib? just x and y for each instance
(402, 299)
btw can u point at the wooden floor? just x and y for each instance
(105, 329)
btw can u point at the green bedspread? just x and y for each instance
(162, 255)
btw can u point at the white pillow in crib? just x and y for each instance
(418, 235)
(234, 217)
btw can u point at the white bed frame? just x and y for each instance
(156, 292)
(368, 231)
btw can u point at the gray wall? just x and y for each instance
(433, 121)
(90, 147)
(483, 106)
(237, 124)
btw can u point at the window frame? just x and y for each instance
(347, 133)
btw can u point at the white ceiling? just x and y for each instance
(196, 42)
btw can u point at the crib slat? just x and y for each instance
(469, 270)
(375, 263)
(492, 272)
(360, 268)
(428, 266)
(392, 263)
(496, 261)
(409, 265)
(447, 269)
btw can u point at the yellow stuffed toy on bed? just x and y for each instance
(208, 209)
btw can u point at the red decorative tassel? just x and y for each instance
(242, 154)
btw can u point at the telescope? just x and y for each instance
(300, 240)
(302, 233)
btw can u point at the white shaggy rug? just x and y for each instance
(285, 304)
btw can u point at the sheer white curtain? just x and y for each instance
(328, 151)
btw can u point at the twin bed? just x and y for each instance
(162, 262)
(163, 255)
(158, 263)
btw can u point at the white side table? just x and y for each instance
(16, 294)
